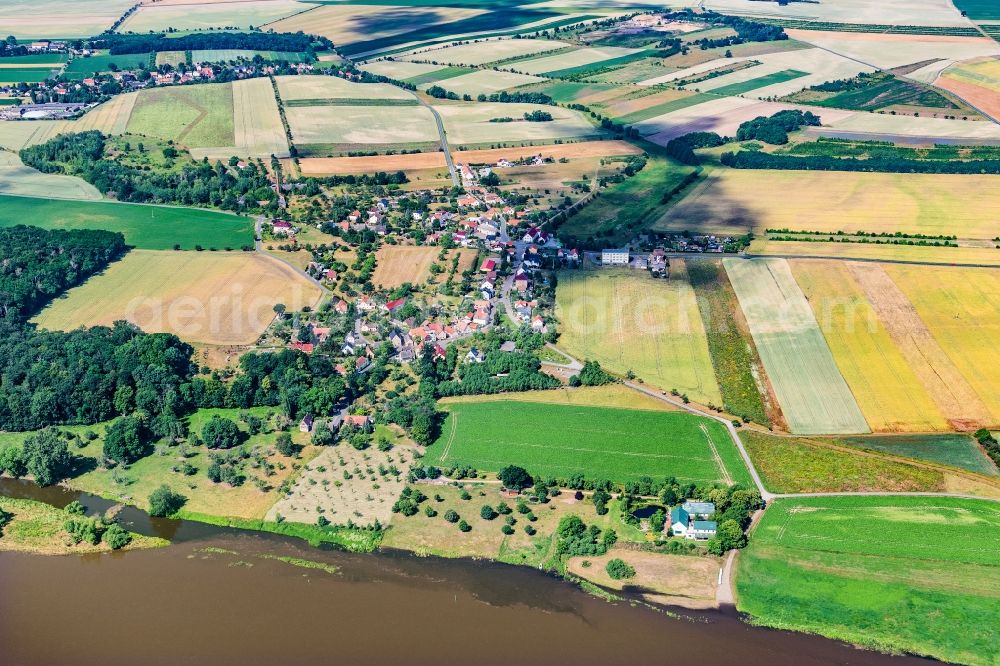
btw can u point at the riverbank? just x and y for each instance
(38, 528)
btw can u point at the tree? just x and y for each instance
(12, 462)
(126, 440)
(285, 445)
(451, 516)
(657, 521)
(464, 526)
(600, 498)
(220, 433)
(279, 309)
(619, 569)
(165, 502)
(47, 457)
(515, 478)
(488, 512)
(728, 536)
(116, 537)
(593, 375)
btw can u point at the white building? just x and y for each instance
(614, 257)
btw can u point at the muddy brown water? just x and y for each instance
(186, 604)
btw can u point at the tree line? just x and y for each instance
(745, 159)
(119, 44)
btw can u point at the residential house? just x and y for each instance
(306, 424)
(281, 227)
(475, 356)
(522, 282)
(689, 520)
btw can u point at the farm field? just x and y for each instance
(651, 106)
(79, 68)
(577, 58)
(961, 309)
(603, 443)
(883, 127)
(800, 465)
(172, 58)
(400, 69)
(257, 127)
(195, 116)
(979, 10)
(742, 379)
(629, 321)
(468, 124)
(19, 180)
(956, 450)
(889, 393)
(949, 256)
(810, 568)
(144, 227)
(887, 51)
(977, 81)
(486, 82)
(210, 15)
(892, 12)
(50, 18)
(784, 72)
(349, 23)
(609, 395)
(294, 88)
(812, 393)
(735, 201)
(492, 51)
(316, 166)
(214, 298)
(397, 264)
(923, 348)
(376, 126)
(227, 55)
(24, 74)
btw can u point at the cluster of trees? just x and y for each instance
(39, 264)
(619, 569)
(45, 456)
(573, 537)
(90, 375)
(774, 129)
(538, 116)
(10, 47)
(746, 30)
(592, 374)
(751, 159)
(95, 529)
(194, 184)
(682, 148)
(989, 444)
(119, 44)
(366, 179)
(500, 372)
(516, 98)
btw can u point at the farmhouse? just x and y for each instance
(689, 520)
(614, 257)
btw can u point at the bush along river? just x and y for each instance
(219, 595)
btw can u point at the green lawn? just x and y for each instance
(144, 227)
(912, 574)
(80, 68)
(949, 449)
(603, 443)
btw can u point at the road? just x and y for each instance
(259, 246)
(444, 140)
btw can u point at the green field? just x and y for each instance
(953, 449)
(195, 116)
(24, 74)
(759, 82)
(439, 75)
(567, 92)
(877, 91)
(799, 465)
(979, 10)
(734, 356)
(225, 55)
(34, 60)
(79, 68)
(626, 208)
(589, 68)
(666, 107)
(603, 443)
(144, 227)
(912, 574)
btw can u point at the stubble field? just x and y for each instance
(397, 264)
(210, 15)
(627, 320)
(204, 297)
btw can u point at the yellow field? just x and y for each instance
(950, 390)
(110, 118)
(397, 264)
(890, 395)
(332, 87)
(610, 395)
(210, 15)
(626, 320)
(737, 201)
(58, 18)
(961, 308)
(17, 179)
(476, 53)
(351, 23)
(974, 256)
(208, 297)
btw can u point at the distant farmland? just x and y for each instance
(879, 571)
(144, 227)
(604, 443)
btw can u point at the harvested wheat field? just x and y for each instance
(28, 19)
(471, 123)
(299, 88)
(627, 320)
(736, 201)
(210, 15)
(486, 82)
(345, 24)
(676, 580)
(397, 264)
(813, 395)
(950, 390)
(400, 69)
(961, 309)
(208, 297)
(491, 51)
(257, 124)
(362, 125)
(951, 256)
(889, 393)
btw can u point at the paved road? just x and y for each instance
(444, 140)
(259, 245)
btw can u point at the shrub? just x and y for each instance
(116, 537)
(464, 526)
(507, 529)
(619, 569)
(487, 512)
(220, 433)
(451, 516)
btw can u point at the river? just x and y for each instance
(192, 603)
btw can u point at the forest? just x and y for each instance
(39, 265)
(119, 44)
